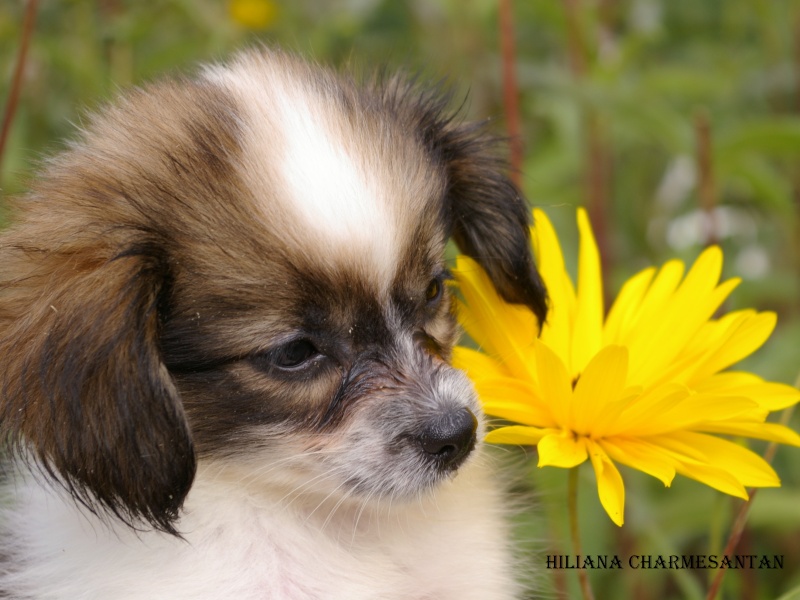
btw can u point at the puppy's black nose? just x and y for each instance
(449, 436)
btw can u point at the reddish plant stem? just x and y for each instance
(796, 59)
(559, 577)
(572, 505)
(707, 189)
(576, 45)
(19, 69)
(598, 155)
(739, 524)
(796, 182)
(740, 521)
(597, 167)
(511, 90)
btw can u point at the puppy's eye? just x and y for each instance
(294, 354)
(434, 291)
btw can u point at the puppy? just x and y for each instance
(225, 330)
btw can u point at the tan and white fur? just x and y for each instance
(225, 331)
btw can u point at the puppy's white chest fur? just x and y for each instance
(244, 543)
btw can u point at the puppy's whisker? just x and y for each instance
(275, 465)
(344, 497)
(341, 489)
(296, 492)
(364, 503)
(260, 474)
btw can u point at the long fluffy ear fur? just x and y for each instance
(84, 391)
(488, 215)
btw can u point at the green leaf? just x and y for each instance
(793, 594)
(765, 183)
(778, 136)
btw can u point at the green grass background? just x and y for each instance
(629, 78)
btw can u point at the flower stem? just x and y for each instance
(740, 521)
(511, 90)
(705, 168)
(572, 501)
(19, 70)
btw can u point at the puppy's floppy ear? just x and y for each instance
(84, 389)
(489, 216)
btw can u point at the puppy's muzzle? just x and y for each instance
(449, 436)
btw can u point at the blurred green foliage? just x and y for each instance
(629, 88)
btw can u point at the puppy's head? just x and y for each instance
(247, 268)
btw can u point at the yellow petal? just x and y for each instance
(500, 395)
(685, 301)
(610, 487)
(643, 457)
(505, 331)
(667, 354)
(643, 410)
(677, 321)
(771, 432)
(599, 386)
(561, 449)
(554, 383)
(609, 420)
(516, 435)
(476, 364)
(516, 412)
(653, 303)
(719, 479)
(693, 463)
(557, 331)
(769, 395)
(693, 409)
(588, 330)
(743, 332)
(625, 307)
(515, 400)
(746, 466)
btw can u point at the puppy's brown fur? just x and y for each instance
(154, 267)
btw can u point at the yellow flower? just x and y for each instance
(642, 386)
(253, 14)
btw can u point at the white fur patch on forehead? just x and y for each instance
(315, 175)
(329, 188)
